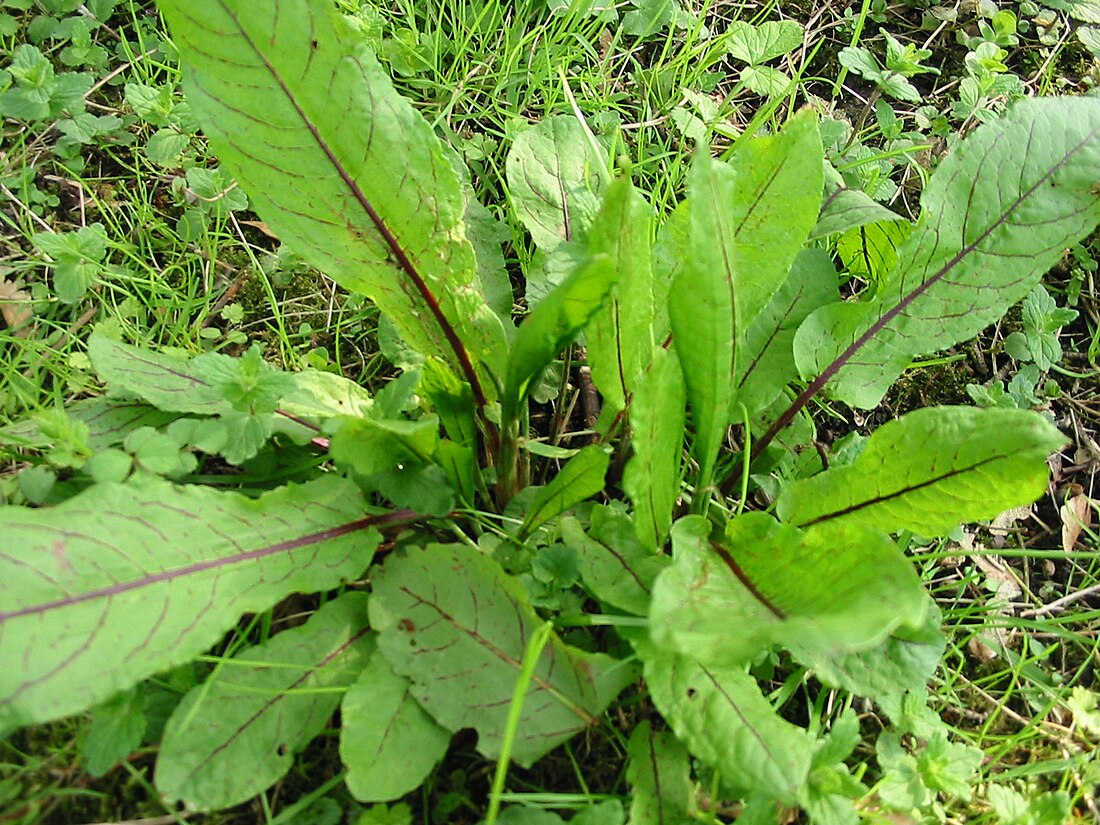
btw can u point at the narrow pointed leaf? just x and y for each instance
(930, 471)
(720, 714)
(388, 743)
(554, 180)
(581, 478)
(553, 325)
(997, 214)
(652, 475)
(659, 773)
(456, 626)
(339, 165)
(620, 339)
(827, 590)
(748, 222)
(703, 311)
(124, 581)
(262, 707)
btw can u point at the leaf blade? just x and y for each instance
(930, 471)
(453, 623)
(264, 713)
(971, 254)
(148, 563)
(308, 161)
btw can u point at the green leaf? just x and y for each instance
(553, 325)
(905, 661)
(720, 714)
(261, 707)
(124, 581)
(166, 146)
(994, 219)
(826, 590)
(614, 565)
(248, 383)
(369, 445)
(456, 626)
(554, 180)
(931, 470)
(388, 743)
(768, 364)
(620, 340)
(659, 774)
(702, 309)
(581, 478)
(870, 251)
(748, 222)
(652, 475)
(309, 162)
(115, 732)
(168, 382)
(847, 209)
(765, 80)
(759, 44)
(949, 767)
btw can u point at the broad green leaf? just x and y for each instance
(765, 80)
(748, 221)
(768, 365)
(997, 214)
(124, 581)
(553, 325)
(581, 478)
(173, 383)
(261, 707)
(454, 624)
(116, 731)
(720, 714)
(388, 743)
(168, 382)
(369, 446)
(554, 180)
(614, 566)
(869, 252)
(108, 420)
(776, 199)
(905, 661)
(827, 590)
(620, 339)
(305, 118)
(847, 209)
(659, 773)
(652, 475)
(759, 44)
(930, 471)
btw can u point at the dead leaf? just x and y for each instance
(1005, 523)
(262, 227)
(1076, 514)
(15, 307)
